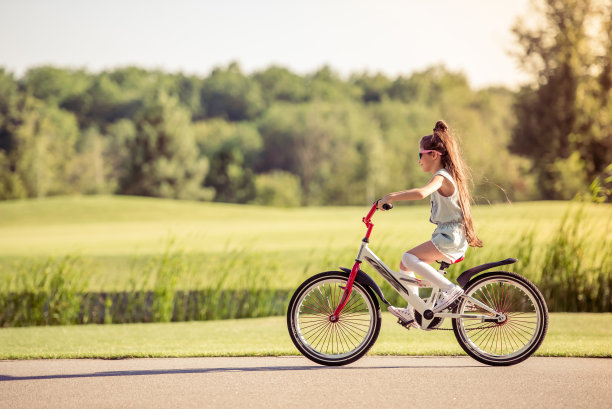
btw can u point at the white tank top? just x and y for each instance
(445, 209)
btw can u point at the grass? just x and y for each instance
(579, 335)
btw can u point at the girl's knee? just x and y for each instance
(408, 261)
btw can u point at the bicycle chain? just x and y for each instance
(448, 329)
(452, 308)
(467, 329)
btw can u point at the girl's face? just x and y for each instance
(428, 160)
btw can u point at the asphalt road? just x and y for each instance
(372, 382)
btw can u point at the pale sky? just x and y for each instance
(395, 37)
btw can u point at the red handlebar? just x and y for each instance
(368, 220)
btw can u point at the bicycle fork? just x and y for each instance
(347, 292)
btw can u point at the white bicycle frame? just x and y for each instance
(394, 279)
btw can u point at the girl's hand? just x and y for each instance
(384, 200)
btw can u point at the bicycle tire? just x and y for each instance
(341, 342)
(513, 340)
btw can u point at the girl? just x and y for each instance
(450, 211)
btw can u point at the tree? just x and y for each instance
(9, 98)
(229, 94)
(11, 185)
(280, 84)
(595, 111)
(121, 137)
(558, 120)
(188, 90)
(278, 188)
(164, 160)
(374, 87)
(56, 85)
(40, 145)
(91, 170)
(104, 102)
(232, 149)
(326, 85)
(432, 87)
(324, 144)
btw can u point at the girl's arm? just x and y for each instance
(415, 194)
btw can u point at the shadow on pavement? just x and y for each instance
(4, 378)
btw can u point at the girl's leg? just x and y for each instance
(427, 252)
(413, 289)
(417, 261)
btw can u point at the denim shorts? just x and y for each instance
(450, 240)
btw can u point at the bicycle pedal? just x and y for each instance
(405, 324)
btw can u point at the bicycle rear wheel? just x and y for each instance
(518, 336)
(326, 342)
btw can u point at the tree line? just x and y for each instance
(271, 137)
(274, 137)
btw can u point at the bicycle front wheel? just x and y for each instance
(512, 340)
(326, 342)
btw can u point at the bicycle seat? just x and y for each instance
(444, 265)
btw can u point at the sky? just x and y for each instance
(394, 37)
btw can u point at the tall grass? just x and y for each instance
(53, 292)
(572, 271)
(53, 295)
(576, 273)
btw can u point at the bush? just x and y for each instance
(278, 188)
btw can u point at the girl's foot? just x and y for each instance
(405, 315)
(447, 297)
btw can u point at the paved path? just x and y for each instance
(294, 382)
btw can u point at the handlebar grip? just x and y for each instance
(387, 206)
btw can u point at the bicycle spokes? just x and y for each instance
(325, 336)
(515, 332)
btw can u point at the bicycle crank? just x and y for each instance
(434, 324)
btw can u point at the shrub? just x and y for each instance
(278, 188)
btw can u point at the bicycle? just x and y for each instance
(334, 317)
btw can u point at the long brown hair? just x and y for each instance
(442, 141)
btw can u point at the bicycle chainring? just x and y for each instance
(434, 324)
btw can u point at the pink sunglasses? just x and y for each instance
(428, 151)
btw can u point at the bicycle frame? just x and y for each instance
(424, 307)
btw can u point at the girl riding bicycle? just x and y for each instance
(450, 211)
(498, 317)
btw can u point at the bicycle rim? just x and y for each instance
(510, 341)
(340, 342)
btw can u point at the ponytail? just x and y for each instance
(442, 141)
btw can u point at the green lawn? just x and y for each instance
(116, 237)
(582, 335)
(112, 225)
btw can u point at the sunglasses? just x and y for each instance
(428, 151)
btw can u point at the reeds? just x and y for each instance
(53, 292)
(52, 296)
(576, 271)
